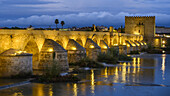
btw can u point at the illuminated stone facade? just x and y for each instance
(53, 53)
(74, 45)
(141, 25)
(14, 62)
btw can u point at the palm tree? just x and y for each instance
(56, 22)
(62, 23)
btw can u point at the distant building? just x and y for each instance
(83, 29)
(102, 28)
(162, 30)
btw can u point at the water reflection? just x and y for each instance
(163, 66)
(75, 89)
(18, 94)
(101, 81)
(50, 90)
(38, 90)
(130, 72)
(92, 82)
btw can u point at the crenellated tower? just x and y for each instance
(141, 25)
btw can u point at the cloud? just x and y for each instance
(83, 19)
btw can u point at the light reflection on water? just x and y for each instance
(106, 81)
(75, 89)
(163, 66)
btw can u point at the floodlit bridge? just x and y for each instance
(63, 46)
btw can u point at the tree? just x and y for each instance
(56, 22)
(30, 26)
(62, 23)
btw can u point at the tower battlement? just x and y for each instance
(139, 16)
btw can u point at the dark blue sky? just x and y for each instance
(42, 13)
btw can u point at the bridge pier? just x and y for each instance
(139, 45)
(15, 62)
(129, 47)
(104, 46)
(75, 51)
(135, 47)
(92, 49)
(144, 44)
(53, 53)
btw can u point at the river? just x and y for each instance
(147, 75)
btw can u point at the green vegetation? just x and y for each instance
(124, 57)
(77, 70)
(143, 50)
(62, 24)
(134, 52)
(152, 50)
(155, 51)
(86, 62)
(107, 58)
(52, 74)
(112, 56)
(56, 22)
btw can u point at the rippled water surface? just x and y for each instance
(148, 75)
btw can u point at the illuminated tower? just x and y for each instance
(141, 25)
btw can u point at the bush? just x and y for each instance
(143, 50)
(155, 51)
(86, 62)
(124, 57)
(113, 51)
(111, 56)
(107, 58)
(134, 52)
(52, 74)
(77, 70)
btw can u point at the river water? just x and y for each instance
(148, 75)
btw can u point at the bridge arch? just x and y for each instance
(78, 40)
(32, 47)
(59, 42)
(75, 51)
(94, 38)
(105, 39)
(115, 42)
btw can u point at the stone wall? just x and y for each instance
(48, 59)
(76, 55)
(15, 65)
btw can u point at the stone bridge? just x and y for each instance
(66, 46)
